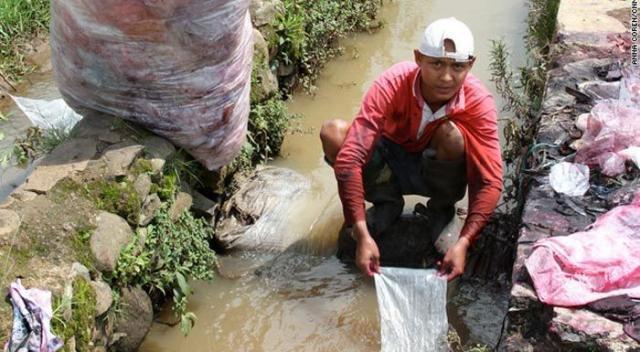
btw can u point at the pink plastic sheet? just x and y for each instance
(181, 68)
(611, 127)
(601, 262)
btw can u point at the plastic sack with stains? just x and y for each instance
(603, 261)
(412, 305)
(611, 127)
(181, 68)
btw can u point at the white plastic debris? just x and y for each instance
(570, 179)
(632, 153)
(412, 305)
(48, 114)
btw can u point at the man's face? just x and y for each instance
(441, 77)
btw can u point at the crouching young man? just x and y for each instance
(427, 127)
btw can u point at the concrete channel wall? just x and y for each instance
(591, 35)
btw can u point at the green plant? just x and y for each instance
(523, 93)
(19, 21)
(80, 245)
(141, 166)
(268, 124)
(81, 305)
(36, 143)
(115, 197)
(184, 168)
(167, 187)
(307, 32)
(169, 254)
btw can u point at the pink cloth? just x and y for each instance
(601, 262)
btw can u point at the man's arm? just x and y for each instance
(484, 174)
(353, 155)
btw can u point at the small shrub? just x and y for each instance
(307, 32)
(170, 254)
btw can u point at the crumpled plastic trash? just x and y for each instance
(412, 305)
(570, 179)
(610, 127)
(601, 262)
(180, 68)
(48, 114)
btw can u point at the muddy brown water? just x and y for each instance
(304, 299)
(39, 85)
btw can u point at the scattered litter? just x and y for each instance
(48, 114)
(612, 127)
(31, 321)
(570, 179)
(413, 316)
(586, 266)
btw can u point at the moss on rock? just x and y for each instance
(80, 323)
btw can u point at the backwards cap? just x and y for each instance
(432, 42)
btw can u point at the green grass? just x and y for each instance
(82, 305)
(20, 20)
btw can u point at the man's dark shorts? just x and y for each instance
(393, 172)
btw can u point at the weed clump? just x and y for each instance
(82, 305)
(19, 21)
(307, 32)
(163, 256)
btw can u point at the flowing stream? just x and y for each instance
(304, 299)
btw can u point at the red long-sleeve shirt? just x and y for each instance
(391, 108)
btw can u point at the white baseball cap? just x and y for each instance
(432, 42)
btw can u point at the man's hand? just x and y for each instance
(367, 253)
(454, 260)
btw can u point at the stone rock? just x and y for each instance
(150, 206)
(110, 236)
(158, 147)
(119, 157)
(263, 12)
(104, 296)
(8, 202)
(78, 269)
(183, 202)
(135, 319)
(9, 225)
(142, 185)
(265, 84)
(93, 124)
(203, 206)
(71, 156)
(71, 343)
(157, 165)
(251, 218)
(285, 70)
(110, 137)
(23, 196)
